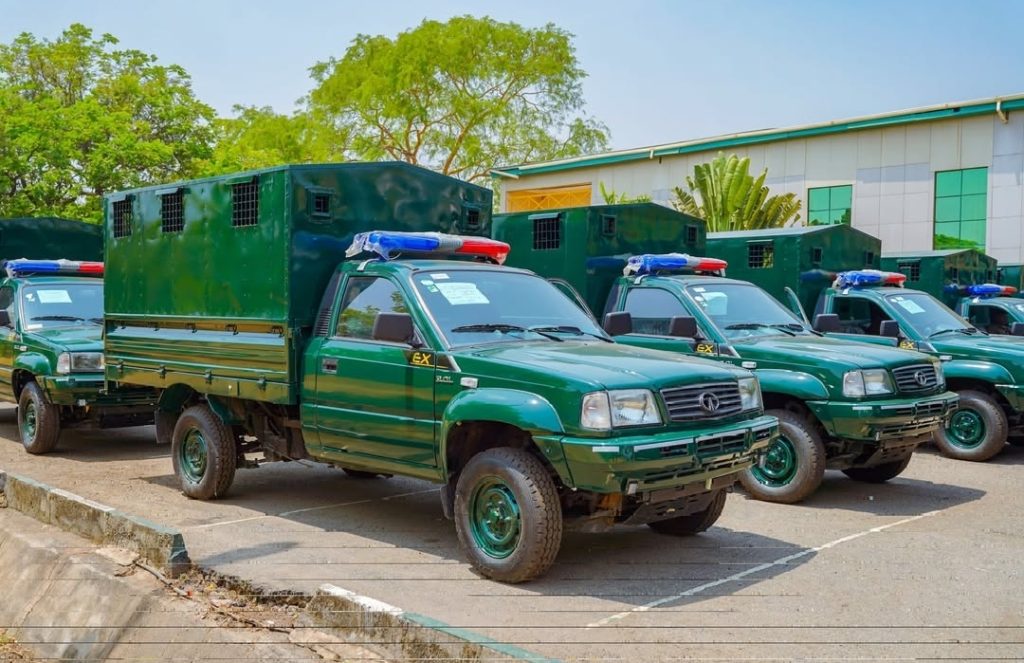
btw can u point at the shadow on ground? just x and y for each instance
(89, 445)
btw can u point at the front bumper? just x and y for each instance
(885, 422)
(643, 463)
(89, 390)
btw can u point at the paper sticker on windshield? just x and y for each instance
(698, 289)
(53, 296)
(439, 277)
(1019, 307)
(459, 294)
(910, 306)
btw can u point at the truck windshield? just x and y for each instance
(740, 311)
(61, 305)
(929, 317)
(477, 306)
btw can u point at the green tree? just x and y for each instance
(259, 137)
(79, 118)
(728, 197)
(612, 198)
(461, 97)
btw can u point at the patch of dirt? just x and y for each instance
(10, 650)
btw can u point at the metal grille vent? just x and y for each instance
(760, 256)
(912, 268)
(702, 401)
(122, 218)
(816, 254)
(607, 225)
(172, 212)
(691, 234)
(472, 219)
(322, 204)
(245, 204)
(322, 327)
(919, 377)
(547, 233)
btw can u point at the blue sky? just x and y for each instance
(658, 71)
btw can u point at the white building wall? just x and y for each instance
(892, 171)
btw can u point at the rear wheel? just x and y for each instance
(203, 453)
(793, 466)
(507, 515)
(38, 420)
(878, 473)
(976, 431)
(694, 523)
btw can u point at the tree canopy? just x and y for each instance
(79, 118)
(461, 97)
(728, 197)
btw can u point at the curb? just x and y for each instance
(163, 547)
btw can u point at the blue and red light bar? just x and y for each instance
(24, 267)
(650, 262)
(988, 290)
(861, 278)
(390, 244)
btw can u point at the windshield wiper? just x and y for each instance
(569, 329)
(503, 328)
(762, 325)
(60, 318)
(969, 331)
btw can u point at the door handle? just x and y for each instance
(329, 365)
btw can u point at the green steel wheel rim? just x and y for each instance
(780, 463)
(495, 520)
(28, 422)
(193, 456)
(966, 429)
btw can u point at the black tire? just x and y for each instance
(984, 408)
(38, 420)
(363, 474)
(217, 471)
(800, 440)
(493, 477)
(878, 473)
(164, 422)
(694, 523)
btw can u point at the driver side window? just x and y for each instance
(364, 298)
(859, 316)
(990, 319)
(652, 309)
(7, 301)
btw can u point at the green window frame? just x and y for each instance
(961, 206)
(830, 205)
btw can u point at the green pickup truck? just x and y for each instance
(841, 405)
(987, 371)
(274, 320)
(51, 350)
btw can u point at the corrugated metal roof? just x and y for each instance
(922, 114)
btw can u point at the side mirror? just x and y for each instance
(1016, 329)
(889, 328)
(5, 318)
(618, 324)
(393, 327)
(683, 326)
(826, 323)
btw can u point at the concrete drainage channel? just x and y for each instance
(328, 621)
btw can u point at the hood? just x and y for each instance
(818, 350)
(594, 365)
(72, 339)
(1012, 347)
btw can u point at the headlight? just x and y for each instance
(633, 407)
(79, 362)
(750, 394)
(603, 410)
(872, 382)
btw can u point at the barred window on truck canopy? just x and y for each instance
(245, 203)
(122, 213)
(172, 210)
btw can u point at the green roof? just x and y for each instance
(938, 253)
(947, 111)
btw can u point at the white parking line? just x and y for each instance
(285, 514)
(756, 569)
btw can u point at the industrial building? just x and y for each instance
(937, 177)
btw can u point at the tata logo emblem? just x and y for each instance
(921, 378)
(708, 402)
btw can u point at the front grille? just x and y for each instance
(694, 402)
(933, 409)
(919, 377)
(720, 445)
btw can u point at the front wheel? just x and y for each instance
(203, 453)
(976, 431)
(793, 466)
(878, 473)
(507, 515)
(38, 420)
(694, 523)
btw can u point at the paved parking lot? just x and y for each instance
(927, 567)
